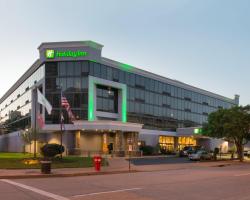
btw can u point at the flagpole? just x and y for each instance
(61, 118)
(35, 136)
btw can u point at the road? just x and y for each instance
(206, 183)
(160, 160)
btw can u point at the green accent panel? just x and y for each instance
(124, 104)
(126, 67)
(91, 101)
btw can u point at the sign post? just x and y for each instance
(130, 149)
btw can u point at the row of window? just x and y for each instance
(85, 68)
(157, 111)
(21, 90)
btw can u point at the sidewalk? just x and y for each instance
(116, 166)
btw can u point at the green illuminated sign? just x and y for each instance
(51, 54)
(197, 131)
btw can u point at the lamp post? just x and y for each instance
(61, 117)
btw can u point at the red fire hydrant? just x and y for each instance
(97, 162)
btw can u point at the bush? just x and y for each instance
(216, 152)
(166, 151)
(163, 151)
(147, 150)
(51, 150)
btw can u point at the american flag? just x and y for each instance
(65, 104)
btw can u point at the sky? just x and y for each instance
(199, 42)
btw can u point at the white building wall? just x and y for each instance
(11, 142)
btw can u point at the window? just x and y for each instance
(187, 110)
(107, 99)
(85, 68)
(77, 70)
(97, 70)
(70, 67)
(62, 68)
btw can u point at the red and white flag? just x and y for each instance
(42, 100)
(40, 120)
(62, 122)
(65, 104)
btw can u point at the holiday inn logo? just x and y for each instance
(51, 54)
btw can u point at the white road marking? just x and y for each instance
(247, 174)
(112, 191)
(41, 192)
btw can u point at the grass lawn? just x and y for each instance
(17, 161)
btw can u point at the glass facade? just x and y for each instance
(15, 110)
(72, 79)
(155, 104)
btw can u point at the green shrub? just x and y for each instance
(216, 152)
(51, 150)
(147, 150)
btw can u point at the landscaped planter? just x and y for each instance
(45, 167)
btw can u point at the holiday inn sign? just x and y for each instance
(51, 54)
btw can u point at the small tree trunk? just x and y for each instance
(240, 152)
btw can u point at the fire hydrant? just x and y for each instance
(97, 162)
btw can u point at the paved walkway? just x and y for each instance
(116, 165)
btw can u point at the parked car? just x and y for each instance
(247, 153)
(200, 155)
(187, 150)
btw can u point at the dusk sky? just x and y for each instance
(199, 42)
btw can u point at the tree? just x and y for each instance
(28, 136)
(232, 124)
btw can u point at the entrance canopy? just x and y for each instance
(96, 125)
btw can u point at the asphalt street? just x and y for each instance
(160, 160)
(230, 183)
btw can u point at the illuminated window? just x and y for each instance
(166, 143)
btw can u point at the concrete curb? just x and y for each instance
(65, 175)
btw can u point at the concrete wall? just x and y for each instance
(91, 142)
(11, 142)
(212, 143)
